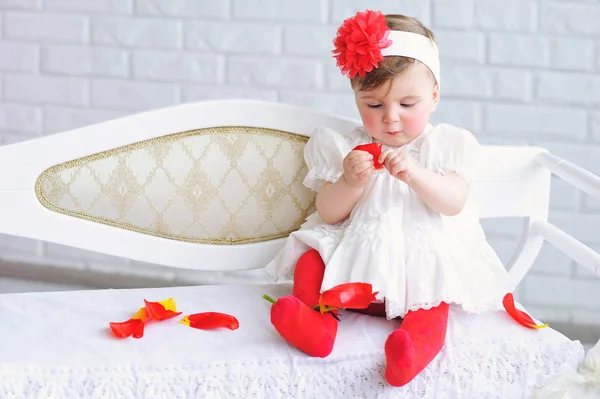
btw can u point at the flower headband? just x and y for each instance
(363, 40)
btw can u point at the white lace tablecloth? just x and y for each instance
(58, 345)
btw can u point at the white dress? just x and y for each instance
(415, 257)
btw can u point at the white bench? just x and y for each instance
(217, 186)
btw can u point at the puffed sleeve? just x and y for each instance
(451, 149)
(324, 154)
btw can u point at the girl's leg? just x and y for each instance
(308, 330)
(308, 276)
(410, 348)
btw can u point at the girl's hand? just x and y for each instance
(399, 164)
(358, 168)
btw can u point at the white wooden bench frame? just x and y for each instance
(513, 182)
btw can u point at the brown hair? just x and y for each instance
(392, 66)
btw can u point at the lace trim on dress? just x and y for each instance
(314, 180)
(414, 306)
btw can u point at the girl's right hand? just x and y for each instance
(358, 168)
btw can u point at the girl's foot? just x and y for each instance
(410, 348)
(293, 317)
(308, 330)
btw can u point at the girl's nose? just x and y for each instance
(390, 116)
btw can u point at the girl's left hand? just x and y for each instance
(399, 164)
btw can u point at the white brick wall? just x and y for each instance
(515, 71)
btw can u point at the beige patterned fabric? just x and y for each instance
(223, 185)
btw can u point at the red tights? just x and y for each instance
(408, 350)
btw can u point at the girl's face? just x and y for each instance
(397, 112)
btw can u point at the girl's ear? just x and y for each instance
(436, 98)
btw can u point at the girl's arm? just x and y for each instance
(444, 194)
(335, 201)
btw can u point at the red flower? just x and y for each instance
(358, 43)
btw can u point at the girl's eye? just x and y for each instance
(374, 105)
(407, 105)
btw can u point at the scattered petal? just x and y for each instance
(157, 311)
(169, 304)
(127, 328)
(210, 321)
(348, 296)
(153, 311)
(141, 314)
(521, 317)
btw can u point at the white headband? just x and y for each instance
(414, 45)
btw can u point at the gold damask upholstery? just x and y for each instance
(225, 185)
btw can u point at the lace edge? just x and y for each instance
(486, 307)
(315, 180)
(367, 375)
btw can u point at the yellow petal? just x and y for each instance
(169, 304)
(141, 314)
(185, 321)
